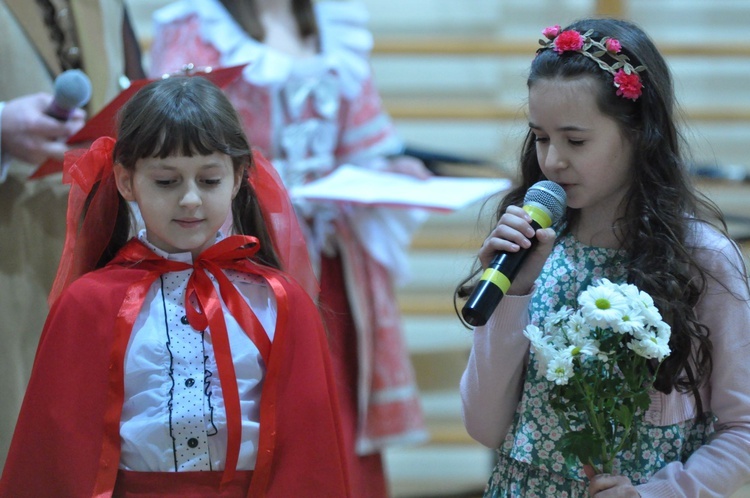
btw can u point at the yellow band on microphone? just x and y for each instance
(495, 277)
(539, 215)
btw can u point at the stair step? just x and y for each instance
(438, 470)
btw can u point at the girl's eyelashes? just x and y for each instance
(571, 141)
(209, 182)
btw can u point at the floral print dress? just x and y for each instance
(528, 462)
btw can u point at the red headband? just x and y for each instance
(626, 78)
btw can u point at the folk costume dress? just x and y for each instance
(162, 376)
(310, 116)
(671, 437)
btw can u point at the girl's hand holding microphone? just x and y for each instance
(503, 254)
(513, 233)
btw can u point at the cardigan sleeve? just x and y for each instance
(722, 465)
(492, 383)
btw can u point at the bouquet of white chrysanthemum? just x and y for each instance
(602, 358)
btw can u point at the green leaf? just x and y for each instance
(641, 401)
(624, 416)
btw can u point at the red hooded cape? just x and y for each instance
(60, 444)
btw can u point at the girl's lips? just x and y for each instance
(188, 223)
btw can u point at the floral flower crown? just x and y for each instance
(626, 78)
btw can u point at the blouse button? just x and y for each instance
(184, 320)
(189, 382)
(192, 442)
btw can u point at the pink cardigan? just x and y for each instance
(492, 382)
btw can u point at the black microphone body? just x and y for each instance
(72, 90)
(495, 283)
(545, 203)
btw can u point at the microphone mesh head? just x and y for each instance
(72, 89)
(548, 195)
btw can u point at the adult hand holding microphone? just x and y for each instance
(34, 127)
(513, 244)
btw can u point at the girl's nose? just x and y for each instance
(553, 159)
(191, 196)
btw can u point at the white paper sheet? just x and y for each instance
(364, 186)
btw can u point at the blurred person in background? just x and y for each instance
(308, 101)
(41, 39)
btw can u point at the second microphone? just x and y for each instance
(545, 202)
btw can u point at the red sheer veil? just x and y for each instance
(89, 226)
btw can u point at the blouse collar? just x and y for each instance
(182, 257)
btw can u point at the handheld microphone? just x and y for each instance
(545, 202)
(72, 90)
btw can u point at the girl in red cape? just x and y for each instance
(185, 357)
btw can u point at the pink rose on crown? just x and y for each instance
(568, 41)
(613, 45)
(550, 32)
(628, 85)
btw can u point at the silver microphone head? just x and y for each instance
(72, 89)
(549, 196)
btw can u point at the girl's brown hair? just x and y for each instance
(188, 116)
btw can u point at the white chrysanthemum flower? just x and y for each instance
(660, 328)
(584, 347)
(632, 292)
(533, 333)
(541, 346)
(560, 368)
(558, 318)
(663, 329)
(603, 305)
(632, 322)
(642, 301)
(645, 299)
(651, 314)
(663, 334)
(577, 329)
(639, 347)
(652, 346)
(636, 296)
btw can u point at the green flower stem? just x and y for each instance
(595, 467)
(592, 412)
(607, 454)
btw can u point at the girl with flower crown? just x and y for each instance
(186, 358)
(601, 125)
